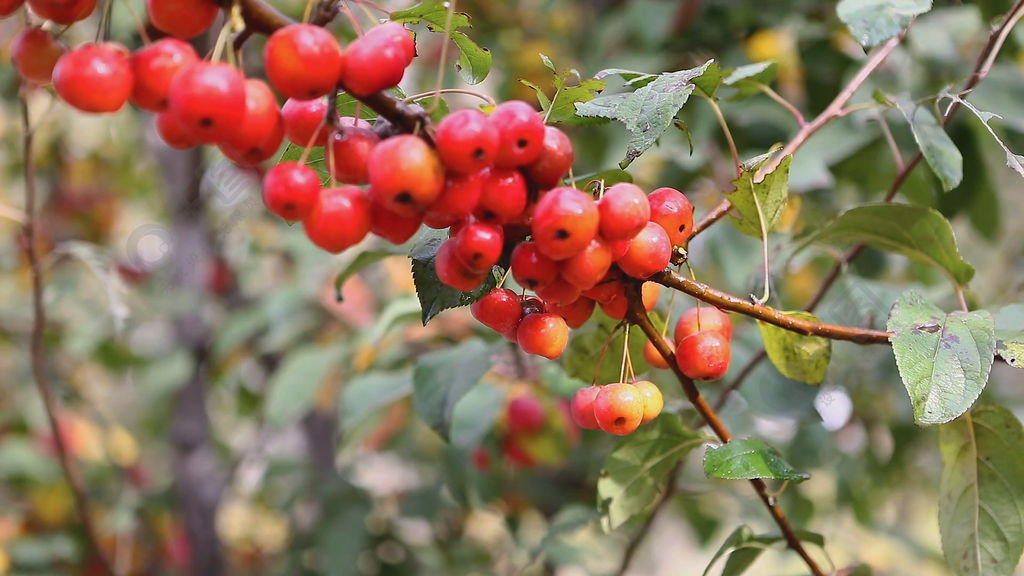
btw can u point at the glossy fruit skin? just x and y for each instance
(704, 355)
(654, 402)
(710, 318)
(654, 358)
(525, 414)
(340, 219)
(502, 197)
(291, 190)
(590, 266)
(624, 211)
(8, 7)
(520, 134)
(649, 251)
(577, 313)
(350, 161)
(544, 335)
(373, 63)
(582, 407)
(673, 212)
(499, 310)
(34, 53)
(530, 268)
(458, 198)
(209, 101)
(555, 159)
(466, 141)
(405, 174)
(62, 12)
(394, 228)
(478, 246)
(397, 35)
(94, 77)
(153, 68)
(619, 408)
(302, 61)
(559, 292)
(302, 118)
(261, 132)
(173, 133)
(533, 305)
(564, 222)
(607, 288)
(618, 305)
(453, 273)
(182, 18)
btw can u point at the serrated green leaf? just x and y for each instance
(545, 103)
(872, 22)
(361, 261)
(797, 357)
(772, 193)
(474, 62)
(370, 392)
(601, 107)
(434, 296)
(633, 78)
(709, 82)
(746, 79)
(918, 232)
(939, 151)
(636, 471)
(588, 343)
(746, 460)
(943, 359)
(442, 378)
(315, 159)
(475, 414)
(293, 387)
(1013, 160)
(981, 496)
(563, 107)
(649, 111)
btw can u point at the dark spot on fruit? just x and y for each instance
(531, 284)
(163, 104)
(562, 234)
(620, 421)
(206, 122)
(522, 143)
(403, 198)
(682, 227)
(313, 93)
(480, 154)
(489, 216)
(288, 207)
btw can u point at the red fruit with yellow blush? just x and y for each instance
(153, 68)
(395, 228)
(653, 357)
(624, 212)
(703, 317)
(530, 268)
(453, 273)
(34, 53)
(291, 190)
(582, 407)
(340, 219)
(499, 310)
(458, 198)
(555, 159)
(520, 134)
(590, 266)
(405, 174)
(543, 334)
(619, 408)
(304, 122)
(350, 154)
(466, 141)
(558, 291)
(649, 251)
(564, 222)
(654, 402)
(704, 355)
(182, 18)
(208, 99)
(261, 132)
(502, 196)
(577, 313)
(671, 210)
(478, 246)
(302, 61)
(94, 77)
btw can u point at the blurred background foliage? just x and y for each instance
(317, 459)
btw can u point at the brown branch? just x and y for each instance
(720, 299)
(637, 314)
(833, 111)
(981, 67)
(36, 346)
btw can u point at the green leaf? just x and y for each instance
(633, 79)
(563, 107)
(20, 458)
(709, 82)
(872, 22)
(1011, 348)
(797, 357)
(604, 107)
(740, 536)
(610, 177)
(315, 160)
(746, 460)
(361, 261)
(918, 232)
(636, 471)
(547, 62)
(939, 151)
(981, 496)
(434, 296)
(1009, 321)
(475, 415)
(649, 111)
(772, 192)
(587, 344)
(293, 387)
(370, 392)
(746, 547)
(237, 329)
(545, 103)
(474, 62)
(442, 378)
(747, 79)
(1013, 160)
(943, 359)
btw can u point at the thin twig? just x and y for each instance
(728, 134)
(897, 156)
(36, 348)
(637, 314)
(783, 102)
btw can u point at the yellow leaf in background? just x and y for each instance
(788, 220)
(123, 449)
(52, 505)
(364, 357)
(5, 561)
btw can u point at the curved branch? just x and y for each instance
(729, 302)
(637, 314)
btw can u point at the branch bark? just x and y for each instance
(37, 352)
(637, 314)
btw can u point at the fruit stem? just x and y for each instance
(604, 350)
(362, 5)
(801, 122)
(503, 277)
(103, 28)
(764, 248)
(694, 278)
(483, 97)
(625, 355)
(352, 18)
(222, 40)
(444, 58)
(308, 12)
(139, 26)
(728, 134)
